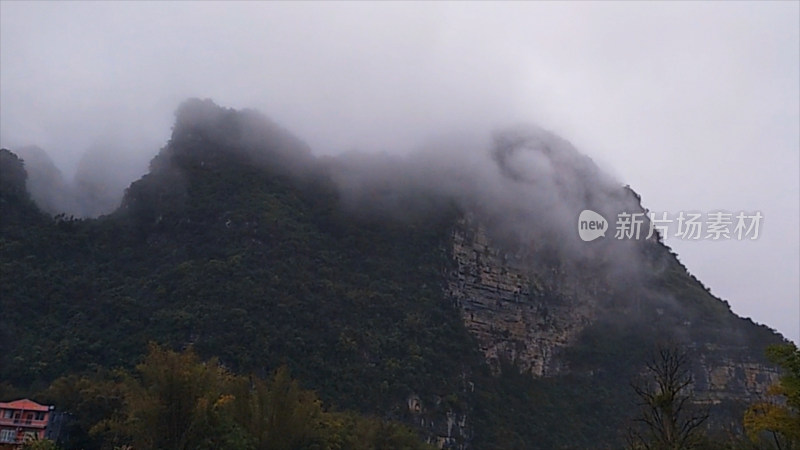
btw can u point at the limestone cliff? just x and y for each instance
(528, 313)
(516, 315)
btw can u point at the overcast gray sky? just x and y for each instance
(695, 105)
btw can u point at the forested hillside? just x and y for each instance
(241, 245)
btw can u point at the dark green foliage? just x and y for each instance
(176, 401)
(17, 210)
(214, 250)
(237, 244)
(12, 175)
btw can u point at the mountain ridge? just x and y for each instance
(421, 309)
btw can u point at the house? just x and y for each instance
(22, 420)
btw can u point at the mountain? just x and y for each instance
(19, 211)
(46, 184)
(96, 189)
(448, 289)
(102, 175)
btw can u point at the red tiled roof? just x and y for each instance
(27, 405)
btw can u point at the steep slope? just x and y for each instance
(103, 173)
(96, 189)
(19, 211)
(466, 312)
(235, 250)
(45, 182)
(584, 337)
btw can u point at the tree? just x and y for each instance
(178, 402)
(40, 444)
(777, 419)
(89, 403)
(668, 419)
(279, 414)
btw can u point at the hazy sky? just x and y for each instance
(695, 105)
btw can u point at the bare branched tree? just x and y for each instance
(668, 419)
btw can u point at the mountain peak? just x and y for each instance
(203, 127)
(18, 210)
(12, 173)
(442, 320)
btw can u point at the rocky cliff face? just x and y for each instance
(517, 315)
(527, 312)
(726, 374)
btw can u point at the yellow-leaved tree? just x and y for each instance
(776, 420)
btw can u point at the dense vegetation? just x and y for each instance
(176, 401)
(244, 264)
(247, 254)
